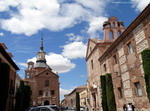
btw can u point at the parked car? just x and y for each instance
(56, 108)
(40, 108)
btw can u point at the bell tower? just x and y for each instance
(41, 61)
(41, 53)
(112, 29)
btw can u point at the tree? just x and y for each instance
(20, 97)
(110, 93)
(77, 101)
(146, 66)
(23, 97)
(27, 97)
(104, 96)
(4, 83)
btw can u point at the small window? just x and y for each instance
(119, 33)
(138, 89)
(115, 59)
(46, 82)
(130, 49)
(120, 93)
(111, 35)
(52, 92)
(40, 92)
(104, 66)
(92, 64)
(113, 24)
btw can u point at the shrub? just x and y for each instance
(146, 66)
(77, 101)
(104, 96)
(110, 93)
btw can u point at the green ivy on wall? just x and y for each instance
(146, 66)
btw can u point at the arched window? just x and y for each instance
(113, 24)
(111, 35)
(119, 33)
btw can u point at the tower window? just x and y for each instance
(119, 33)
(92, 66)
(138, 89)
(130, 49)
(111, 35)
(46, 83)
(113, 24)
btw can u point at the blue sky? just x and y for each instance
(66, 26)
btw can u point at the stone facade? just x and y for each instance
(128, 79)
(43, 81)
(70, 99)
(96, 48)
(122, 58)
(6, 57)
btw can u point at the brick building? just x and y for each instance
(6, 57)
(95, 49)
(122, 58)
(43, 81)
(70, 99)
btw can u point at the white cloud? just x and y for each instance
(73, 37)
(54, 15)
(95, 5)
(96, 26)
(22, 64)
(57, 62)
(74, 50)
(140, 4)
(1, 34)
(64, 91)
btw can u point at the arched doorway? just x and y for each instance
(46, 102)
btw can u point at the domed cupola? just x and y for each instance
(41, 61)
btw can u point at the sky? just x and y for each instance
(66, 26)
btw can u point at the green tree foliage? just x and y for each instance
(104, 96)
(110, 93)
(4, 84)
(146, 66)
(27, 96)
(77, 101)
(23, 97)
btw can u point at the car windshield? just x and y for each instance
(55, 108)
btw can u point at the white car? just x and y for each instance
(40, 108)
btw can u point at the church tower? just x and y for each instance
(112, 29)
(43, 81)
(41, 61)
